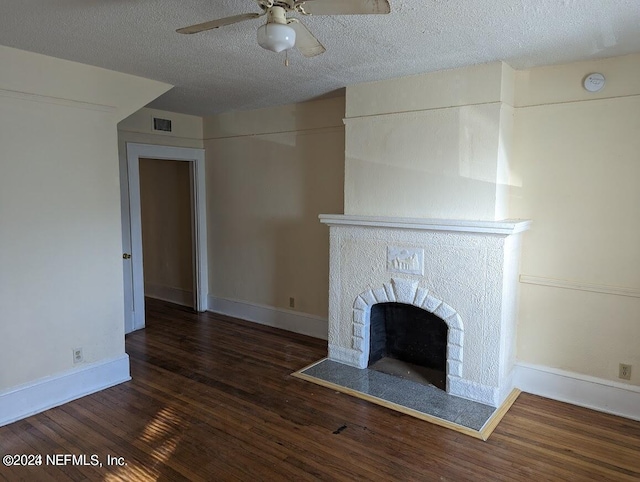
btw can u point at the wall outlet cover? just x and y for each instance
(624, 372)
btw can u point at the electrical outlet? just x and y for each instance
(624, 372)
(292, 302)
(77, 355)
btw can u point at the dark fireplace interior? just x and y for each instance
(408, 342)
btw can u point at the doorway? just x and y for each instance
(167, 242)
(132, 227)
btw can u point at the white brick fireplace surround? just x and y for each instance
(465, 272)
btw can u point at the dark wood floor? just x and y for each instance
(212, 399)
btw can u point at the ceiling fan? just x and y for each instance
(281, 33)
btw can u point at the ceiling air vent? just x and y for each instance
(161, 125)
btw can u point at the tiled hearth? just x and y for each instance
(465, 272)
(416, 399)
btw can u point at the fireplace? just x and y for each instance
(458, 281)
(408, 342)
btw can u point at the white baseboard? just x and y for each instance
(166, 293)
(26, 400)
(589, 392)
(289, 320)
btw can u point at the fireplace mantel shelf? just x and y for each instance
(503, 227)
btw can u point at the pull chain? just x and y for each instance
(286, 58)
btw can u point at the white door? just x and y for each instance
(132, 228)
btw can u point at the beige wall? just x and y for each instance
(165, 205)
(270, 173)
(186, 129)
(58, 81)
(434, 145)
(573, 170)
(60, 242)
(567, 157)
(486, 142)
(576, 172)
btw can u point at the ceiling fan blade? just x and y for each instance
(306, 43)
(221, 22)
(344, 7)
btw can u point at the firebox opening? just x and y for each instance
(408, 342)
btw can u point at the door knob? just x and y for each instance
(126, 256)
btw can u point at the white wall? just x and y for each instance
(576, 174)
(430, 146)
(270, 173)
(60, 247)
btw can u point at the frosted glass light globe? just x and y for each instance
(276, 37)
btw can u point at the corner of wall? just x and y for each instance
(508, 84)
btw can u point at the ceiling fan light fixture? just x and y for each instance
(276, 37)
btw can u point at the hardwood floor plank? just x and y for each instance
(212, 398)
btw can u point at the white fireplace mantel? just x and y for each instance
(504, 227)
(464, 271)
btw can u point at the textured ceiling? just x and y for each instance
(225, 69)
